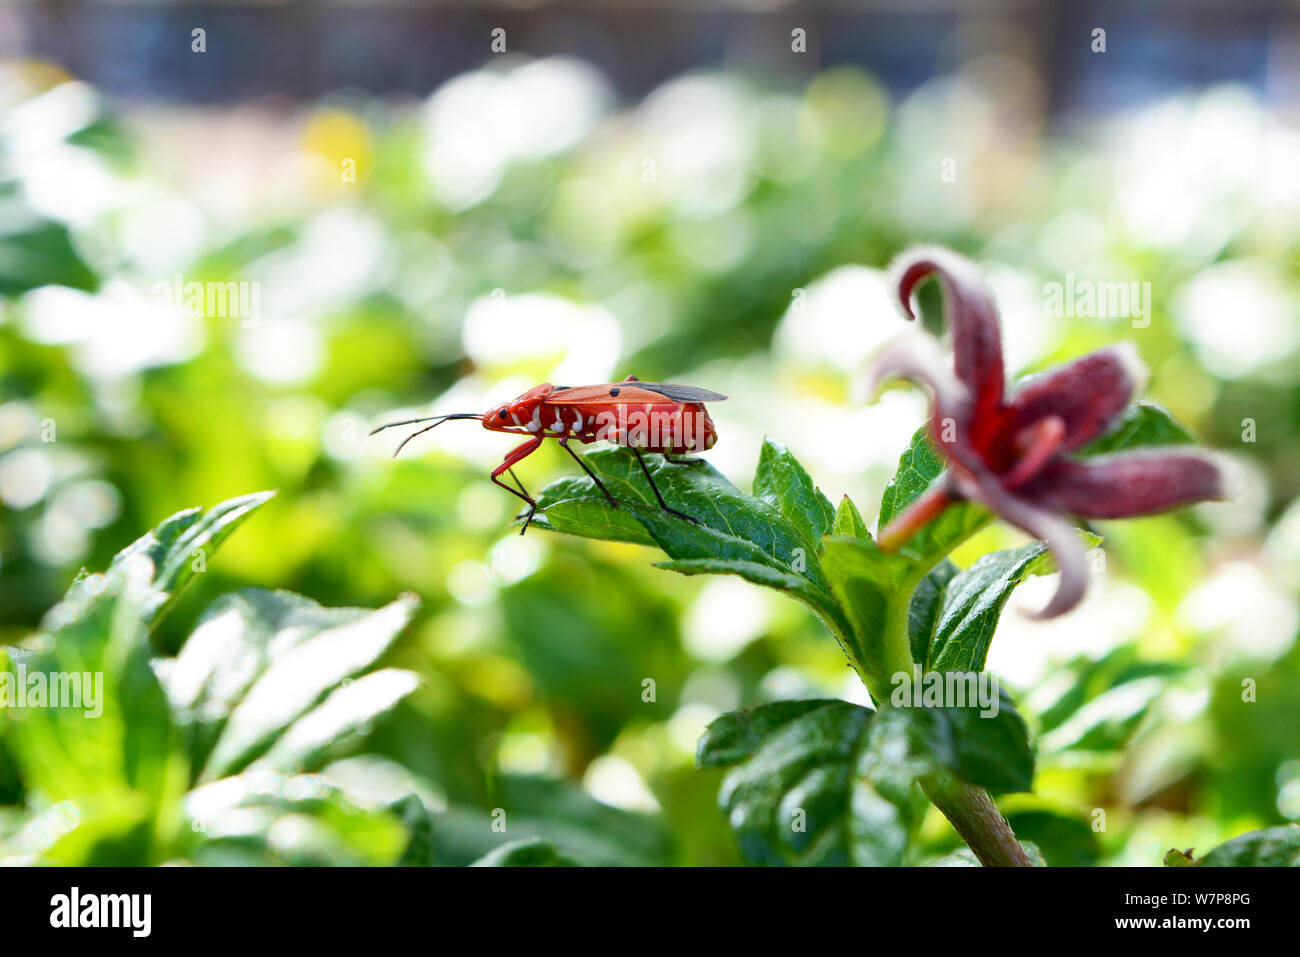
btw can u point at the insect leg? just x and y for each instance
(518, 483)
(668, 457)
(654, 488)
(564, 444)
(518, 455)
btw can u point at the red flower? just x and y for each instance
(1011, 453)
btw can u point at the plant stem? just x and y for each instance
(977, 819)
(969, 809)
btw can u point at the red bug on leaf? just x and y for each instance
(642, 416)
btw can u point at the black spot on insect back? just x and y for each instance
(614, 392)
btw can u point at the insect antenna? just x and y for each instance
(437, 420)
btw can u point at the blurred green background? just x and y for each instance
(527, 220)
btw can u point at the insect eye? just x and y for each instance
(501, 414)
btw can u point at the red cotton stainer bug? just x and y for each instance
(642, 416)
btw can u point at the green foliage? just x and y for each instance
(918, 469)
(541, 810)
(35, 251)
(804, 776)
(811, 784)
(985, 747)
(537, 661)
(768, 539)
(200, 757)
(526, 853)
(1143, 425)
(1272, 847)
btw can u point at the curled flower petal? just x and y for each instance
(916, 358)
(977, 338)
(1088, 394)
(1131, 483)
(1055, 532)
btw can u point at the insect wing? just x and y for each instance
(617, 392)
(682, 393)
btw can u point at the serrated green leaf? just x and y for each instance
(808, 784)
(923, 612)
(786, 484)
(983, 745)
(972, 604)
(173, 551)
(260, 661)
(591, 518)
(526, 853)
(1143, 425)
(1272, 847)
(737, 735)
(848, 520)
(918, 468)
(732, 526)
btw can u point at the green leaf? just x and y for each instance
(1064, 838)
(972, 602)
(260, 677)
(869, 585)
(539, 808)
(100, 734)
(266, 818)
(346, 713)
(848, 520)
(1272, 847)
(526, 853)
(732, 525)
(1143, 425)
(809, 784)
(418, 821)
(755, 538)
(175, 550)
(1176, 858)
(923, 612)
(35, 251)
(985, 746)
(738, 735)
(783, 482)
(1105, 722)
(917, 470)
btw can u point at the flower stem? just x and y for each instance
(977, 819)
(969, 809)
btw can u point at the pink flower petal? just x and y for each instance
(1128, 484)
(1088, 394)
(972, 316)
(1044, 524)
